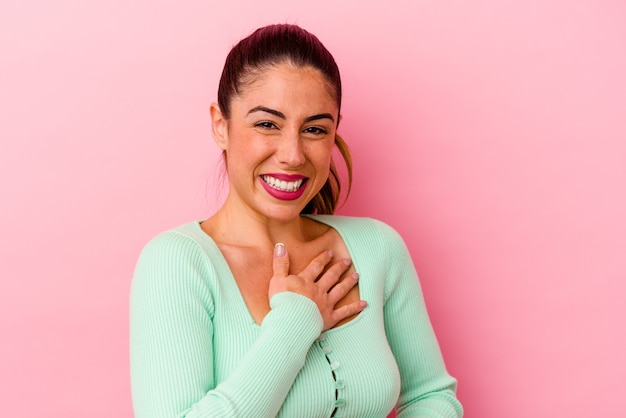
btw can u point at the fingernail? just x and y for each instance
(355, 276)
(330, 253)
(279, 249)
(362, 304)
(347, 261)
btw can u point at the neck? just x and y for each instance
(238, 225)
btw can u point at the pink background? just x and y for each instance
(491, 134)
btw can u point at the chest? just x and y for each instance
(252, 271)
(349, 370)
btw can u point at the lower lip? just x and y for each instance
(281, 195)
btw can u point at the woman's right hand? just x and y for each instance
(324, 287)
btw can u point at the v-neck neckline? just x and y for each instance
(233, 282)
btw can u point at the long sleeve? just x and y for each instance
(427, 390)
(171, 337)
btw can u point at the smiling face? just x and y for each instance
(278, 140)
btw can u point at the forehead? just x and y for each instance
(287, 85)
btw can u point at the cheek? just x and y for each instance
(320, 156)
(327, 153)
(248, 148)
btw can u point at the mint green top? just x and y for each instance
(197, 352)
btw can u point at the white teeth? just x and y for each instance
(282, 185)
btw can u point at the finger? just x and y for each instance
(280, 263)
(348, 310)
(342, 288)
(316, 266)
(334, 273)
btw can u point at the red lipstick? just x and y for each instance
(283, 186)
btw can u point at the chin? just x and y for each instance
(284, 214)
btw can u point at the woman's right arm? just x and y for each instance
(172, 370)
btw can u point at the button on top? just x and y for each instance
(327, 349)
(340, 402)
(334, 365)
(322, 337)
(340, 384)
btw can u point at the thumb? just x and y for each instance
(281, 260)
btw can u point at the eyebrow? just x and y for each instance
(282, 115)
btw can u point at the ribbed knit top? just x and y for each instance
(197, 352)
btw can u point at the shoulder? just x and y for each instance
(170, 254)
(362, 228)
(185, 239)
(173, 273)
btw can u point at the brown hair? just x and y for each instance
(272, 45)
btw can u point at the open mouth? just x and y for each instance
(284, 185)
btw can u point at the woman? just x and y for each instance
(260, 310)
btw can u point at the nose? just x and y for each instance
(290, 152)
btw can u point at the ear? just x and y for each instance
(219, 126)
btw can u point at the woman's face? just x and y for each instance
(278, 140)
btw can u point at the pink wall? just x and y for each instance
(491, 134)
